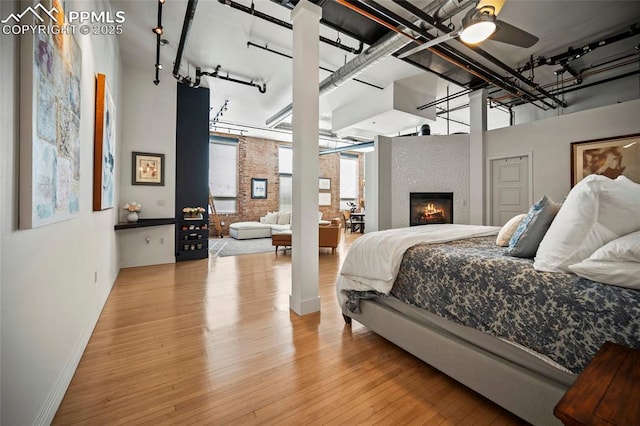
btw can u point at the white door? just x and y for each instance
(509, 188)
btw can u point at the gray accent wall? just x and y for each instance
(418, 164)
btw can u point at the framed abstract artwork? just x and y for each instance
(147, 168)
(104, 147)
(258, 188)
(50, 100)
(610, 157)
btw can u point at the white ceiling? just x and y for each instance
(219, 36)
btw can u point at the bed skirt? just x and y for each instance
(528, 394)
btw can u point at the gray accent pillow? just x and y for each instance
(525, 241)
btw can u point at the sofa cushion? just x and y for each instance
(284, 218)
(271, 218)
(280, 228)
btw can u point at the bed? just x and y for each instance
(450, 296)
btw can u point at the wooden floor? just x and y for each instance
(213, 342)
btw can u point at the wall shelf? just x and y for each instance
(143, 223)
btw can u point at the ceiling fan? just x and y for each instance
(479, 24)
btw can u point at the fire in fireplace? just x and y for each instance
(428, 208)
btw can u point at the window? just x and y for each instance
(348, 180)
(223, 173)
(285, 168)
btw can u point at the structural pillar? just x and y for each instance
(478, 129)
(306, 112)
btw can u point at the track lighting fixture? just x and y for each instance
(159, 42)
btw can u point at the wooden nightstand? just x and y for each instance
(607, 392)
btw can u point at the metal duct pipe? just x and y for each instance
(186, 29)
(252, 11)
(447, 8)
(374, 54)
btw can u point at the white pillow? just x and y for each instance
(271, 218)
(508, 229)
(596, 211)
(284, 218)
(616, 263)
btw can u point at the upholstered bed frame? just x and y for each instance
(526, 393)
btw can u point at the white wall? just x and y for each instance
(149, 125)
(420, 164)
(617, 91)
(54, 279)
(550, 140)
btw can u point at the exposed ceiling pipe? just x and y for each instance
(375, 53)
(216, 73)
(451, 55)
(420, 14)
(594, 70)
(250, 43)
(252, 11)
(186, 29)
(574, 53)
(353, 147)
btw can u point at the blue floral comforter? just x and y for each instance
(474, 283)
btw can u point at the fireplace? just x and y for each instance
(426, 208)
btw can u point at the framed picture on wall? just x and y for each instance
(324, 183)
(324, 198)
(147, 169)
(610, 157)
(104, 147)
(258, 188)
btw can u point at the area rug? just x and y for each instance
(223, 247)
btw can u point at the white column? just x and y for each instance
(306, 111)
(478, 128)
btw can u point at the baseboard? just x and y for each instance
(51, 404)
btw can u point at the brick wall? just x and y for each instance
(258, 158)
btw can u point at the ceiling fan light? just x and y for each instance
(477, 32)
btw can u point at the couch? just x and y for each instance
(269, 224)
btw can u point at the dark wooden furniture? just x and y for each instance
(607, 392)
(143, 223)
(193, 239)
(357, 222)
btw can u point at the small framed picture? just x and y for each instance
(324, 198)
(147, 169)
(324, 183)
(258, 188)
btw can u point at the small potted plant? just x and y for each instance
(133, 208)
(193, 212)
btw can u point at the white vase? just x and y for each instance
(132, 217)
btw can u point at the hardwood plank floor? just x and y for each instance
(213, 342)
